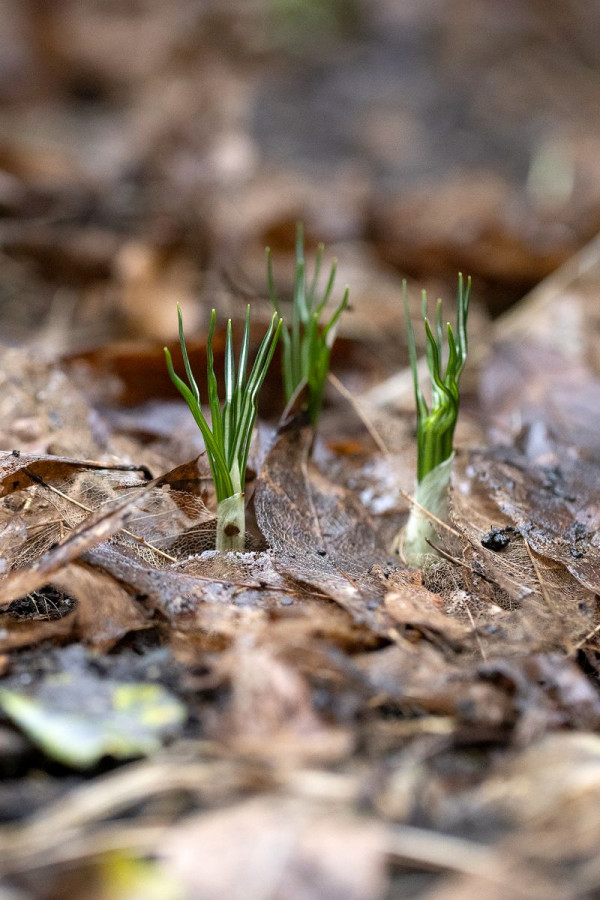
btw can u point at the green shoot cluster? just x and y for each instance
(436, 422)
(307, 343)
(227, 438)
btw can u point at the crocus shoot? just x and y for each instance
(435, 422)
(227, 438)
(307, 342)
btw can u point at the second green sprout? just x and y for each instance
(307, 342)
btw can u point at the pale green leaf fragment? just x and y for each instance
(123, 877)
(121, 720)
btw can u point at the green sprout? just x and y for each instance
(307, 343)
(436, 421)
(227, 438)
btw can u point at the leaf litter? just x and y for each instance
(336, 725)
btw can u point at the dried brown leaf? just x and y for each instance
(277, 847)
(548, 691)
(270, 713)
(102, 612)
(418, 676)
(96, 528)
(414, 605)
(14, 467)
(320, 533)
(208, 598)
(105, 612)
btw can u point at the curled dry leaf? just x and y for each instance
(105, 612)
(15, 466)
(100, 612)
(414, 605)
(419, 677)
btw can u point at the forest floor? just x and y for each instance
(308, 719)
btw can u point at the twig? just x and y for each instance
(140, 839)
(343, 390)
(548, 600)
(475, 632)
(424, 849)
(585, 639)
(428, 849)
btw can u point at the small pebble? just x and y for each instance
(496, 539)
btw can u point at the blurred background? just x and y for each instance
(150, 149)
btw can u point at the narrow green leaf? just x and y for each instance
(328, 288)
(315, 279)
(438, 326)
(271, 281)
(243, 361)
(329, 330)
(229, 364)
(213, 389)
(227, 439)
(186, 361)
(217, 462)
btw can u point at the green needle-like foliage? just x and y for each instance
(227, 438)
(307, 342)
(436, 422)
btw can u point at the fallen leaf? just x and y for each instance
(78, 719)
(416, 606)
(419, 677)
(105, 611)
(14, 468)
(96, 528)
(320, 533)
(278, 847)
(270, 713)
